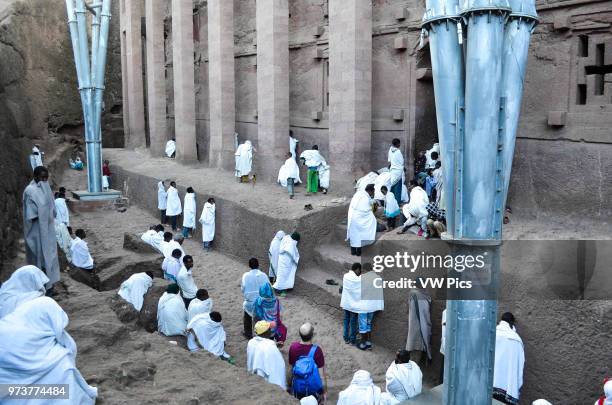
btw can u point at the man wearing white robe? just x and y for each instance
(264, 358)
(416, 209)
(162, 201)
(64, 240)
(205, 331)
(61, 209)
(244, 160)
(273, 254)
(176, 243)
(135, 287)
(201, 304)
(36, 349)
(318, 170)
(172, 265)
(396, 168)
(171, 313)
(251, 282)
(362, 182)
(81, 257)
(170, 148)
(39, 226)
(288, 259)
(154, 237)
(207, 220)
(174, 207)
(289, 174)
(361, 225)
(404, 380)
(25, 284)
(189, 213)
(361, 391)
(509, 361)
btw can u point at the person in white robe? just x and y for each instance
(189, 213)
(309, 400)
(318, 170)
(64, 239)
(509, 361)
(39, 226)
(207, 220)
(264, 358)
(396, 168)
(170, 148)
(36, 349)
(293, 145)
(383, 179)
(171, 313)
(289, 174)
(416, 209)
(162, 201)
(251, 281)
(205, 331)
(61, 209)
(244, 160)
(438, 175)
(404, 380)
(36, 157)
(432, 156)
(288, 259)
(154, 237)
(25, 284)
(361, 224)
(176, 243)
(201, 304)
(174, 207)
(392, 210)
(135, 287)
(172, 265)
(79, 250)
(362, 182)
(405, 195)
(273, 254)
(361, 391)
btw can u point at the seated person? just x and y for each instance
(76, 164)
(154, 237)
(79, 251)
(172, 265)
(171, 313)
(164, 243)
(201, 304)
(360, 391)
(404, 380)
(134, 288)
(205, 331)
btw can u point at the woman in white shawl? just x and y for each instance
(25, 284)
(404, 380)
(361, 225)
(174, 207)
(135, 287)
(162, 201)
(244, 160)
(509, 361)
(171, 312)
(189, 214)
(361, 391)
(289, 174)
(207, 219)
(205, 331)
(288, 259)
(273, 254)
(36, 349)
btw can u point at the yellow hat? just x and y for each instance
(262, 327)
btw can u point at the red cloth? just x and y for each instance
(298, 349)
(106, 170)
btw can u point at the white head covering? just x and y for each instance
(25, 284)
(540, 402)
(309, 400)
(361, 391)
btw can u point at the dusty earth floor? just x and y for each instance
(130, 365)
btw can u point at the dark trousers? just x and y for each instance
(356, 251)
(247, 321)
(173, 220)
(162, 216)
(186, 301)
(396, 189)
(350, 327)
(391, 222)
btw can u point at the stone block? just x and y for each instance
(557, 118)
(133, 243)
(562, 22)
(316, 115)
(318, 31)
(424, 74)
(401, 13)
(319, 53)
(147, 318)
(398, 115)
(400, 43)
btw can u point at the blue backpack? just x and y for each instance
(306, 379)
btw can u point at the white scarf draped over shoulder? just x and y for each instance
(265, 360)
(207, 219)
(174, 207)
(509, 360)
(189, 214)
(209, 334)
(25, 284)
(404, 381)
(361, 225)
(171, 315)
(361, 391)
(197, 307)
(288, 259)
(244, 159)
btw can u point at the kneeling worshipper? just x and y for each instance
(404, 380)
(244, 161)
(64, 239)
(361, 391)
(289, 174)
(134, 288)
(61, 209)
(267, 308)
(207, 219)
(205, 331)
(361, 226)
(264, 358)
(154, 237)
(201, 304)
(25, 284)
(273, 254)
(36, 349)
(171, 313)
(416, 209)
(171, 148)
(288, 259)
(79, 250)
(509, 361)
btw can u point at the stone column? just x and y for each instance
(350, 86)
(272, 85)
(135, 136)
(221, 82)
(184, 87)
(156, 80)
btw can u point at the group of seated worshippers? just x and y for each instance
(34, 345)
(154, 237)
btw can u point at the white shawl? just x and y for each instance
(287, 171)
(197, 307)
(273, 253)
(351, 298)
(64, 240)
(190, 211)
(404, 381)
(396, 160)
(383, 179)
(174, 207)
(153, 239)
(134, 289)
(25, 284)
(162, 196)
(312, 158)
(417, 206)
(509, 360)
(244, 159)
(170, 148)
(369, 178)
(171, 315)
(288, 259)
(361, 228)
(207, 219)
(292, 146)
(265, 360)
(361, 391)
(391, 206)
(36, 349)
(80, 254)
(61, 211)
(209, 334)
(170, 248)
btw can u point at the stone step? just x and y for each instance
(334, 258)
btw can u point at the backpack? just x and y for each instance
(306, 378)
